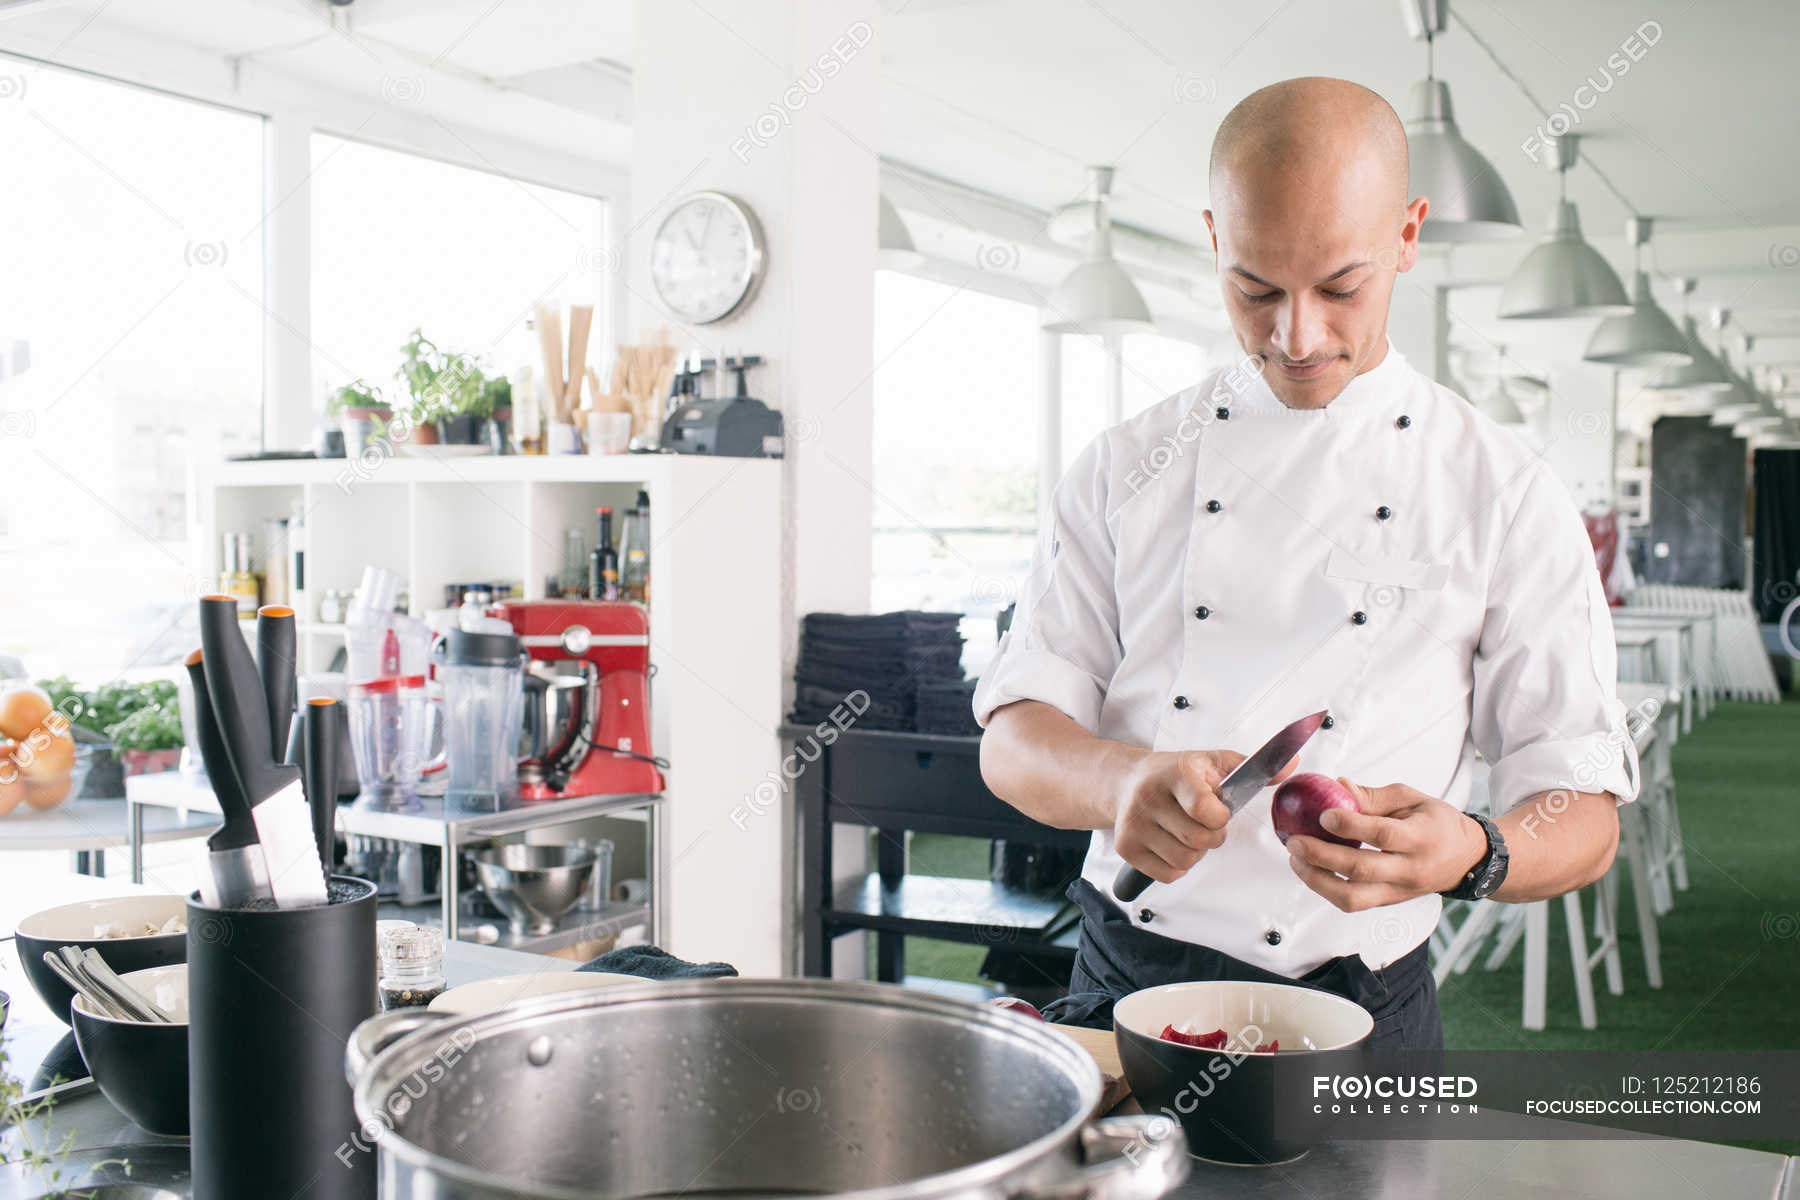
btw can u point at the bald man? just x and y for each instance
(1314, 526)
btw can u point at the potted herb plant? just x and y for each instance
(149, 740)
(360, 412)
(95, 716)
(447, 392)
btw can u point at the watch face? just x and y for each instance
(707, 257)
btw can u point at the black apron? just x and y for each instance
(1116, 958)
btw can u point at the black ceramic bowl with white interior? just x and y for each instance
(141, 1066)
(1225, 1099)
(84, 924)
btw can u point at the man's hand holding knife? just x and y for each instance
(1168, 813)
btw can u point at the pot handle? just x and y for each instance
(379, 1032)
(1138, 1157)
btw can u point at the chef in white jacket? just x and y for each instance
(1314, 526)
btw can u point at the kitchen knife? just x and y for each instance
(275, 664)
(318, 756)
(235, 871)
(1236, 789)
(276, 795)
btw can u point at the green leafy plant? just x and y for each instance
(103, 709)
(355, 394)
(496, 394)
(155, 727)
(441, 383)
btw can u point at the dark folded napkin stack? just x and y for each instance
(948, 708)
(893, 657)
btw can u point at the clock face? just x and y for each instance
(707, 257)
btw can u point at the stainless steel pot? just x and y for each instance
(745, 1087)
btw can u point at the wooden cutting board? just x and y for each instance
(1104, 1050)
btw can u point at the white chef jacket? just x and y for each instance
(1221, 564)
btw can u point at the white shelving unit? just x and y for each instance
(715, 604)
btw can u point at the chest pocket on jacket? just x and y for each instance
(1384, 583)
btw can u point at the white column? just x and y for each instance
(1114, 346)
(775, 102)
(287, 301)
(1050, 453)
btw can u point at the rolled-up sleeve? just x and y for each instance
(1063, 646)
(1546, 712)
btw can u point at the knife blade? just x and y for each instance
(1238, 788)
(318, 755)
(276, 795)
(235, 871)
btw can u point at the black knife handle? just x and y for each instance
(1130, 883)
(238, 706)
(319, 756)
(239, 829)
(275, 663)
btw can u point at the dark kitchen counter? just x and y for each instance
(99, 1135)
(1544, 1169)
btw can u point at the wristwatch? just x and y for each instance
(1486, 876)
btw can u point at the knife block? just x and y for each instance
(273, 995)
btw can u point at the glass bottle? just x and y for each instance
(574, 563)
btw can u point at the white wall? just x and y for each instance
(809, 171)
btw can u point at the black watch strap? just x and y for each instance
(1486, 876)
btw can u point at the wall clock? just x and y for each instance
(707, 257)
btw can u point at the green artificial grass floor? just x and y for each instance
(1730, 947)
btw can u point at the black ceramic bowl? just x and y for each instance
(1225, 1099)
(79, 924)
(142, 1067)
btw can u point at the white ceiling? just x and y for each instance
(1016, 96)
(1143, 84)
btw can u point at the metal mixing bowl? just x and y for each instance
(534, 885)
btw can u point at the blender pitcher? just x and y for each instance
(484, 709)
(390, 720)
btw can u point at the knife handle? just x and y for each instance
(275, 664)
(236, 691)
(319, 756)
(240, 828)
(1130, 883)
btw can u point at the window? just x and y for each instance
(1155, 368)
(956, 419)
(400, 241)
(130, 345)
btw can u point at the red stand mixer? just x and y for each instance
(590, 731)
